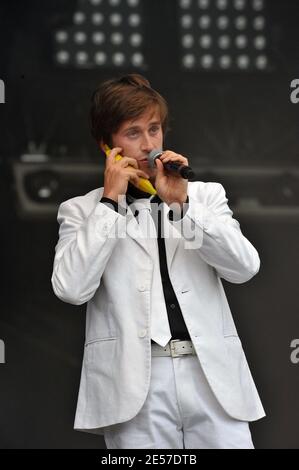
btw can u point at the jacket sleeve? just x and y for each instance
(209, 227)
(83, 249)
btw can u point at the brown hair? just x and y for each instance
(120, 99)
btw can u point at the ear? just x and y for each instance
(101, 144)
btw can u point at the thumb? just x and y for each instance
(160, 166)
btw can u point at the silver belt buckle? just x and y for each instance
(172, 348)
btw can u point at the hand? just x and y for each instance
(170, 186)
(118, 173)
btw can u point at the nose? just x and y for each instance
(147, 145)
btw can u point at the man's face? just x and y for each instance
(140, 136)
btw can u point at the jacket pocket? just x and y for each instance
(97, 347)
(234, 349)
(95, 340)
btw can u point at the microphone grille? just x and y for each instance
(155, 153)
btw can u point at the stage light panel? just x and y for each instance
(230, 35)
(104, 34)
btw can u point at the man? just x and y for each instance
(163, 365)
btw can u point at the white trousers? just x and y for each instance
(180, 412)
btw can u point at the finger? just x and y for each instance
(138, 173)
(111, 157)
(176, 159)
(159, 165)
(142, 174)
(134, 179)
(172, 155)
(127, 161)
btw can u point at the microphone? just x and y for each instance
(184, 171)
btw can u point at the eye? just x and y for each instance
(155, 129)
(132, 133)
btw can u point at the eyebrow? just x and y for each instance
(138, 127)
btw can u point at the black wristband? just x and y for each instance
(110, 202)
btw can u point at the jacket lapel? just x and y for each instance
(134, 231)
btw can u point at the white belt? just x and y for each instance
(174, 348)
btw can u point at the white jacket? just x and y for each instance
(114, 275)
